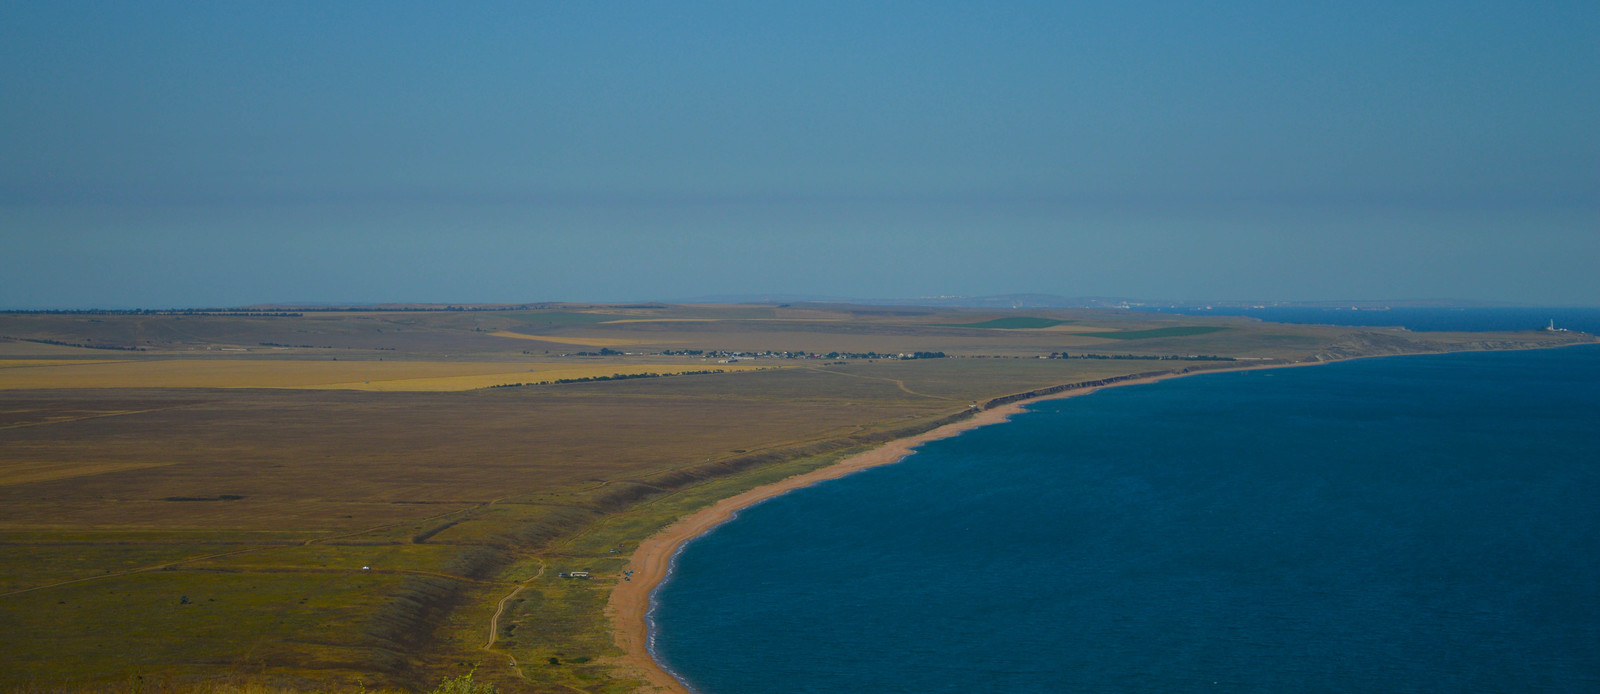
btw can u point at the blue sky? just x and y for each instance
(204, 154)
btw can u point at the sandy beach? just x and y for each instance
(630, 600)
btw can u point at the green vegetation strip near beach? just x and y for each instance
(1014, 323)
(564, 618)
(1180, 331)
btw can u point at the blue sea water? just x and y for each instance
(1472, 319)
(1407, 524)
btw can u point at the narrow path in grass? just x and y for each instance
(100, 415)
(494, 622)
(897, 382)
(219, 555)
(141, 569)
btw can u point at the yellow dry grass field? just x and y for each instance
(580, 341)
(414, 376)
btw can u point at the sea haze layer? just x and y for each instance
(1402, 524)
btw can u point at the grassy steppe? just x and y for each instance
(316, 375)
(254, 519)
(1011, 323)
(1178, 331)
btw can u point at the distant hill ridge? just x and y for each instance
(1024, 301)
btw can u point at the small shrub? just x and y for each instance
(463, 684)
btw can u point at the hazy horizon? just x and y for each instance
(1020, 301)
(193, 154)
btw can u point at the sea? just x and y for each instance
(1467, 319)
(1402, 524)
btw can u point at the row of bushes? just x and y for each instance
(612, 377)
(1145, 357)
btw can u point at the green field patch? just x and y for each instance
(1011, 323)
(158, 537)
(557, 618)
(130, 624)
(340, 557)
(1179, 331)
(34, 565)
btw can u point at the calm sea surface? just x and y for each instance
(1409, 524)
(1420, 319)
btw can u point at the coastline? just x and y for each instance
(629, 603)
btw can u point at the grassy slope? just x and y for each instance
(453, 500)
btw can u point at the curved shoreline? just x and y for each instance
(630, 601)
